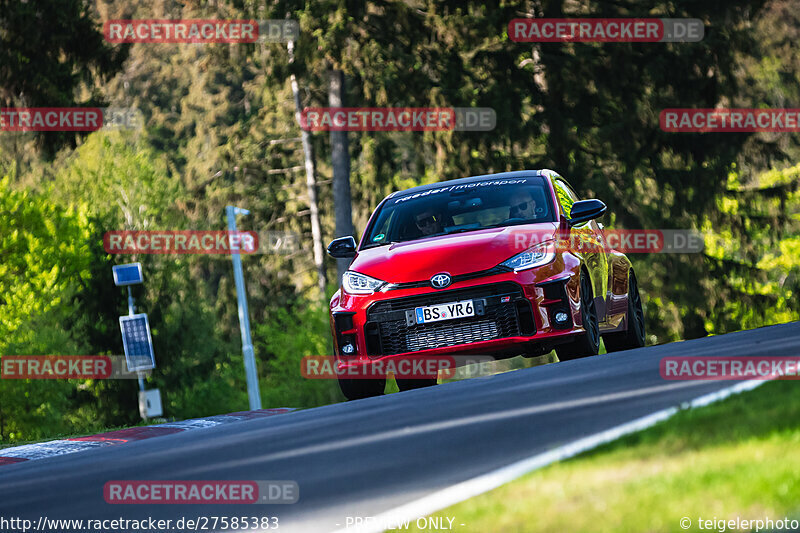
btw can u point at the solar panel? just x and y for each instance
(129, 274)
(137, 342)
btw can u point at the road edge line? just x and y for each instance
(491, 480)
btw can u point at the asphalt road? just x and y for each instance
(366, 457)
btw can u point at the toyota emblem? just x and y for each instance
(440, 281)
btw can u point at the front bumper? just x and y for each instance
(514, 312)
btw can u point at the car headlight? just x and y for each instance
(538, 255)
(355, 283)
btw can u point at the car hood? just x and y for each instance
(456, 254)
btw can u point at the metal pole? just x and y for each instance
(131, 307)
(253, 392)
(131, 312)
(141, 389)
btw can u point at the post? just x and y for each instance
(131, 307)
(131, 312)
(253, 392)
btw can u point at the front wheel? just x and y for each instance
(356, 389)
(588, 342)
(634, 336)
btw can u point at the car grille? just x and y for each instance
(388, 333)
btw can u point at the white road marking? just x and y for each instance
(439, 425)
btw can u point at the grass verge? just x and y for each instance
(735, 458)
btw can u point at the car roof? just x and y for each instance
(471, 179)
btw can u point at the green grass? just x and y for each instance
(739, 457)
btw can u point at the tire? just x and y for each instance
(411, 384)
(356, 389)
(587, 343)
(634, 336)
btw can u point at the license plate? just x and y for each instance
(448, 311)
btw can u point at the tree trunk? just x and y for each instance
(340, 159)
(311, 184)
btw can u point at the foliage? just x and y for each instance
(45, 252)
(291, 334)
(45, 265)
(52, 53)
(759, 245)
(219, 130)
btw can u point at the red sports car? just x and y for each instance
(478, 266)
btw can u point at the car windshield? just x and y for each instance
(460, 208)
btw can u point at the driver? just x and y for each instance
(429, 222)
(522, 205)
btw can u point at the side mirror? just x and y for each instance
(586, 210)
(342, 248)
